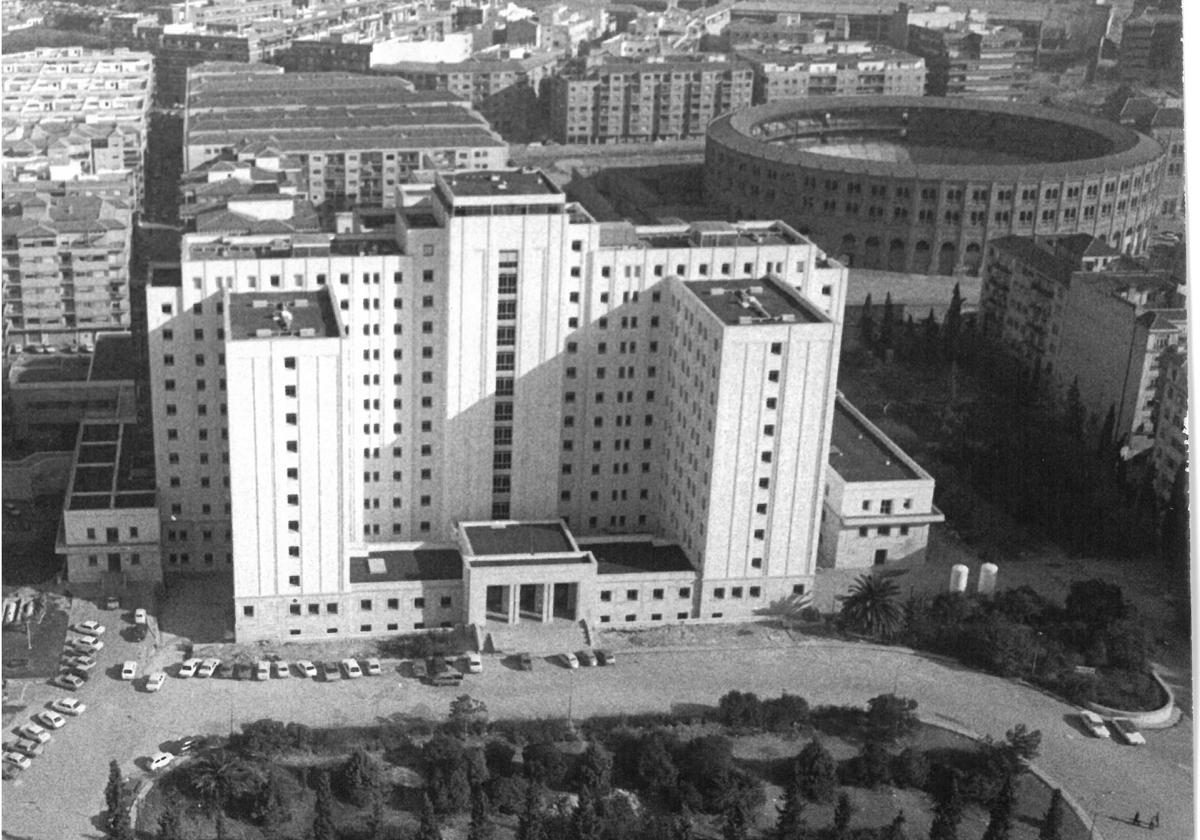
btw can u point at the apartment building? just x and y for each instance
(974, 59)
(66, 268)
(72, 114)
(179, 52)
(878, 502)
(1151, 48)
(506, 88)
(630, 102)
(496, 357)
(1163, 122)
(354, 138)
(1088, 316)
(1170, 429)
(326, 57)
(834, 69)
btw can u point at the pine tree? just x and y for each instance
(735, 823)
(1075, 411)
(376, 828)
(842, 813)
(930, 339)
(121, 827)
(887, 327)
(1053, 821)
(790, 825)
(896, 831)
(532, 823)
(221, 826)
(948, 811)
(817, 772)
(952, 327)
(1000, 815)
(1106, 431)
(481, 822)
(323, 827)
(428, 830)
(866, 324)
(585, 822)
(114, 790)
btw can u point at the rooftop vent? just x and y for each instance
(307, 332)
(302, 303)
(263, 333)
(258, 304)
(376, 566)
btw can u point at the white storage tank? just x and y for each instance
(958, 577)
(987, 579)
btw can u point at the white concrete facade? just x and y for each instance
(503, 356)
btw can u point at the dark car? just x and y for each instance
(224, 671)
(138, 632)
(189, 744)
(419, 670)
(437, 664)
(606, 657)
(525, 661)
(586, 658)
(243, 671)
(332, 671)
(450, 677)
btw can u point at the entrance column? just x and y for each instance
(514, 603)
(547, 603)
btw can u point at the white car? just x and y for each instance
(1127, 731)
(89, 628)
(87, 644)
(351, 668)
(72, 682)
(474, 663)
(306, 668)
(207, 667)
(139, 616)
(69, 706)
(50, 720)
(160, 760)
(570, 660)
(155, 681)
(14, 757)
(262, 670)
(128, 670)
(280, 667)
(1093, 723)
(371, 667)
(188, 668)
(33, 732)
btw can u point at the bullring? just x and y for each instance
(922, 184)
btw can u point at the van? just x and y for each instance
(351, 668)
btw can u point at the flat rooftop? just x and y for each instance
(503, 182)
(624, 558)
(51, 368)
(415, 564)
(753, 302)
(278, 314)
(861, 453)
(115, 358)
(504, 538)
(114, 468)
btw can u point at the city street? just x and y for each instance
(62, 795)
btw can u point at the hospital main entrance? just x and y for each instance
(541, 602)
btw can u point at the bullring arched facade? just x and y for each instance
(919, 184)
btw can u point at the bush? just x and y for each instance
(1132, 690)
(786, 712)
(268, 737)
(1079, 689)
(740, 711)
(816, 772)
(910, 769)
(498, 755)
(507, 793)
(890, 717)
(359, 778)
(544, 763)
(871, 768)
(447, 774)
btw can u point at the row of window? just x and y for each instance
(369, 628)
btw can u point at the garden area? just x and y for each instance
(750, 768)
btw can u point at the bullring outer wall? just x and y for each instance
(901, 216)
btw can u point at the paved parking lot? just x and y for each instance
(62, 795)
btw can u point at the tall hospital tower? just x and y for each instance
(494, 408)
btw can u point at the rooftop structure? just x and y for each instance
(275, 314)
(510, 538)
(384, 566)
(859, 452)
(749, 302)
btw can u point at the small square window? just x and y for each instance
(719, 592)
(685, 592)
(631, 595)
(606, 595)
(418, 603)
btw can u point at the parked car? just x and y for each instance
(188, 668)
(606, 657)
(10, 612)
(155, 681)
(207, 667)
(451, 677)
(371, 667)
(128, 669)
(87, 644)
(160, 760)
(332, 671)
(437, 664)
(89, 628)
(50, 720)
(69, 706)
(225, 671)
(306, 668)
(138, 632)
(570, 661)
(262, 670)
(242, 671)
(1093, 723)
(112, 602)
(1127, 731)
(474, 663)
(33, 732)
(30, 748)
(586, 658)
(13, 757)
(419, 670)
(71, 682)
(525, 661)
(187, 744)
(80, 663)
(281, 669)
(351, 668)
(139, 615)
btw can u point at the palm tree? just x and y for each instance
(218, 776)
(871, 607)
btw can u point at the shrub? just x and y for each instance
(740, 711)
(911, 769)
(498, 755)
(1079, 689)
(359, 778)
(816, 772)
(447, 774)
(871, 768)
(786, 712)
(507, 793)
(890, 717)
(265, 737)
(544, 764)
(1132, 690)
(1129, 645)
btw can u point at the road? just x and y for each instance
(62, 796)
